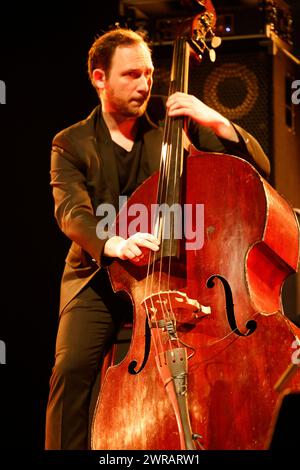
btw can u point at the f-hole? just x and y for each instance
(250, 325)
(133, 364)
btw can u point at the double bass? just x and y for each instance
(211, 350)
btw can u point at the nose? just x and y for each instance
(144, 83)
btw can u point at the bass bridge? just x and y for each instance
(161, 306)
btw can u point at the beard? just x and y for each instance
(133, 108)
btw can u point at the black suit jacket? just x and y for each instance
(82, 179)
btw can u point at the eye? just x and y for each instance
(134, 74)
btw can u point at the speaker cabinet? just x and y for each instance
(286, 127)
(286, 155)
(238, 84)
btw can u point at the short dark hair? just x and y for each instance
(102, 50)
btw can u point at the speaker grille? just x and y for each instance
(238, 84)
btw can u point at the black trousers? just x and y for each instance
(87, 327)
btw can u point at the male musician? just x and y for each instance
(93, 162)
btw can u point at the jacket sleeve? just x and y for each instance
(247, 147)
(73, 207)
(254, 150)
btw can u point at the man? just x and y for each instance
(93, 162)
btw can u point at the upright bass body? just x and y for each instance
(238, 351)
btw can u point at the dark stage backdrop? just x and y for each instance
(43, 52)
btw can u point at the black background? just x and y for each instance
(43, 53)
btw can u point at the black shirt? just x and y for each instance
(132, 166)
(128, 164)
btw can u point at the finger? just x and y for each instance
(176, 95)
(128, 254)
(146, 236)
(179, 112)
(178, 98)
(147, 244)
(128, 250)
(180, 103)
(133, 248)
(174, 103)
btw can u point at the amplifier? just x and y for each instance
(282, 23)
(276, 19)
(158, 20)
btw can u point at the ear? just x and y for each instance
(99, 79)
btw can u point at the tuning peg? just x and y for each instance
(216, 41)
(212, 52)
(212, 55)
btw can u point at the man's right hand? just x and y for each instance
(133, 248)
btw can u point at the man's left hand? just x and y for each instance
(183, 104)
